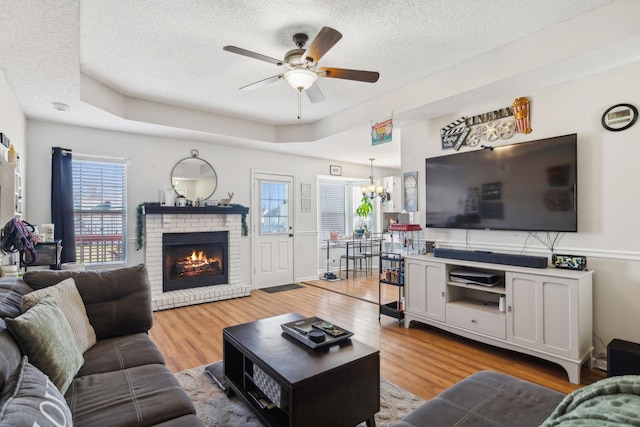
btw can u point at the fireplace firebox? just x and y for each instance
(192, 260)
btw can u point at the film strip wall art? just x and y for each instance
(491, 126)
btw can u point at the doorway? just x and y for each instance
(273, 230)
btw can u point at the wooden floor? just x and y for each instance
(421, 359)
(362, 285)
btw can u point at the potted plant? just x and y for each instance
(363, 211)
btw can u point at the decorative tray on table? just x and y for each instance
(315, 332)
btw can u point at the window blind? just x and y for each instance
(333, 208)
(100, 206)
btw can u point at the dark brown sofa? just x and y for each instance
(490, 399)
(123, 381)
(486, 399)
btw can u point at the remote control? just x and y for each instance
(299, 330)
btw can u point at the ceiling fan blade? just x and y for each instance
(245, 52)
(315, 94)
(325, 40)
(342, 73)
(263, 82)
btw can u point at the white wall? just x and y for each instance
(608, 204)
(151, 160)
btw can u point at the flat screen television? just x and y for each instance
(530, 186)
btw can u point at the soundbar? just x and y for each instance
(493, 258)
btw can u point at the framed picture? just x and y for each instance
(305, 191)
(410, 186)
(306, 206)
(335, 170)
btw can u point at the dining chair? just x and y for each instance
(353, 253)
(371, 249)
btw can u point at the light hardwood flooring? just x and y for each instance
(421, 359)
(362, 286)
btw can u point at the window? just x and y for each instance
(275, 207)
(333, 208)
(100, 206)
(338, 203)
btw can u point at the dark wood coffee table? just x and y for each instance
(338, 385)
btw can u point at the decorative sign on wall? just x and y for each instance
(454, 134)
(382, 132)
(521, 113)
(489, 126)
(410, 185)
(305, 198)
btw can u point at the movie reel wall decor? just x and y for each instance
(488, 127)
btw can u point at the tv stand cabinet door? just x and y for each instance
(542, 313)
(424, 288)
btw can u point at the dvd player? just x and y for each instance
(476, 277)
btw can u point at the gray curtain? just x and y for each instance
(62, 202)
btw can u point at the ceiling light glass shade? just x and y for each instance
(300, 78)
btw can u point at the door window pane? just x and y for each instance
(275, 207)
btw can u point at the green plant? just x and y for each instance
(363, 211)
(140, 223)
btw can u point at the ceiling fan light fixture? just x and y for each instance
(300, 78)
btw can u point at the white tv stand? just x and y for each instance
(548, 312)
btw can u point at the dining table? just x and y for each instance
(352, 245)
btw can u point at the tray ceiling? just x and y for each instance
(158, 68)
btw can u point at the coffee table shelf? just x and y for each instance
(337, 385)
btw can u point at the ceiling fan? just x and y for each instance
(302, 65)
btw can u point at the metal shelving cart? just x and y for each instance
(392, 274)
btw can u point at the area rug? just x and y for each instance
(280, 288)
(215, 409)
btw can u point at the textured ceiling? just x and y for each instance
(129, 64)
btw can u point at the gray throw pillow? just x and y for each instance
(30, 399)
(45, 336)
(68, 298)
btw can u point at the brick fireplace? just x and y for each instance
(184, 224)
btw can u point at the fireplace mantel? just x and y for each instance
(206, 210)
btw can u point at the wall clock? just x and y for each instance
(619, 117)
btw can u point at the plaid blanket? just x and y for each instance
(611, 402)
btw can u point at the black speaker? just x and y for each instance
(493, 258)
(623, 358)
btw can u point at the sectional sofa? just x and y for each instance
(490, 399)
(108, 374)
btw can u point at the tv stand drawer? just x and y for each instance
(462, 314)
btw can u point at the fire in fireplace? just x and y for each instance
(196, 264)
(192, 260)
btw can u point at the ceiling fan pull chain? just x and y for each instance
(299, 104)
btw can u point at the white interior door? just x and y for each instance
(273, 230)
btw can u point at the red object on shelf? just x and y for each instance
(404, 227)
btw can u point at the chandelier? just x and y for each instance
(372, 190)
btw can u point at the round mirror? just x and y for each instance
(194, 179)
